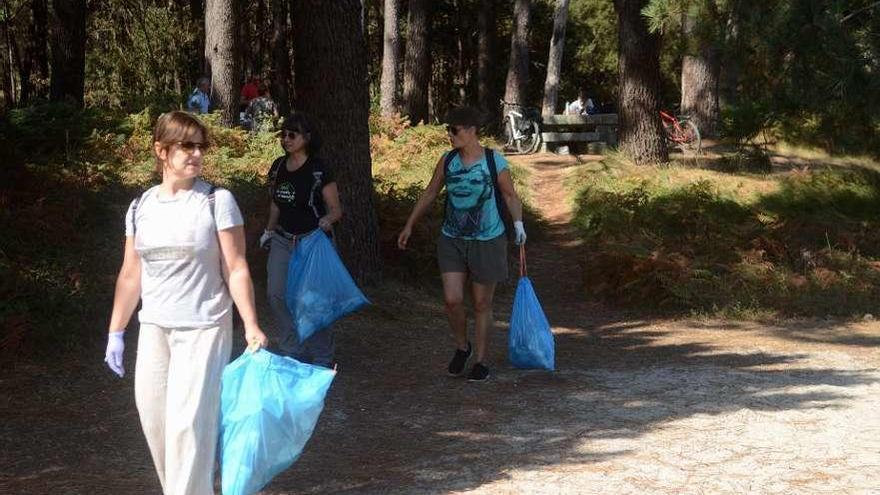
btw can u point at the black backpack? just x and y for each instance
(493, 171)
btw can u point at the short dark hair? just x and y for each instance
(466, 116)
(298, 121)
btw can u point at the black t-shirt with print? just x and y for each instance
(299, 197)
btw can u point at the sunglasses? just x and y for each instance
(454, 129)
(289, 134)
(190, 147)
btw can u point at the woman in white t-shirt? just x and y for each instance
(185, 260)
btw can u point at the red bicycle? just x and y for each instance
(682, 133)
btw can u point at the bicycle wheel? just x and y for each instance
(530, 140)
(507, 132)
(689, 137)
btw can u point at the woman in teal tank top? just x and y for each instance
(473, 241)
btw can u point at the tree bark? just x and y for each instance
(640, 130)
(729, 73)
(390, 56)
(518, 70)
(221, 56)
(9, 86)
(280, 56)
(334, 92)
(40, 44)
(486, 94)
(699, 89)
(68, 51)
(554, 61)
(417, 66)
(260, 41)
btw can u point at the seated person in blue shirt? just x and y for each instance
(199, 101)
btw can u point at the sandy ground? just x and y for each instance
(637, 405)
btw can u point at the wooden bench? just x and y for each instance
(557, 130)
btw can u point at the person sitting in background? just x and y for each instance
(582, 106)
(262, 112)
(249, 91)
(200, 101)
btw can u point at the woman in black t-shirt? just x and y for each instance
(303, 197)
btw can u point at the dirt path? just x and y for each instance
(637, 406)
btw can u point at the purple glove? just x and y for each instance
(113, 356)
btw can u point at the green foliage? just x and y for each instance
(140, 53)
(62, 212)
(807, 246)
(590, 55)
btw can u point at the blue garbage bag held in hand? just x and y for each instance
(530, 342)
(269, 406)
(319, 288)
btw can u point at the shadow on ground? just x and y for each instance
(395, 423)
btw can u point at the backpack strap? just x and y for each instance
(134, 206)
(212, 201)
(273, 174)
(317, 176)
(447, 161)
(493, 171)
(500, 205)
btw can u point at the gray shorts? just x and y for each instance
(486, 261)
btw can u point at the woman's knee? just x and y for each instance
(483, 305)
(453, 303)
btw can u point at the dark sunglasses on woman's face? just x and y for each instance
(190, 147)
(453, 129)
(289, 134)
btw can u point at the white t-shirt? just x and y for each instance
(181, 277)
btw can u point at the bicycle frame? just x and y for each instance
(669, 120)
(512, 116)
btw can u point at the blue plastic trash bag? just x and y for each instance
(319, 288)
(269, 406)
(530, 343)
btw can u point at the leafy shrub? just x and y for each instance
(806, 247)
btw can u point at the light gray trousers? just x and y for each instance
(177, 392)
(317, 349)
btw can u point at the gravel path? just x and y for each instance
(637, 406)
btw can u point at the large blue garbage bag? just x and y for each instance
(530, 343)
(319, 288)
(269, 406)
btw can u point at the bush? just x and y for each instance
(806, 247)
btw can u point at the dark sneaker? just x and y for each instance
(478, 373)
(456, 366)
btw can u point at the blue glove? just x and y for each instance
(113, 356)
(520, 232)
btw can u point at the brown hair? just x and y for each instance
(172, 127)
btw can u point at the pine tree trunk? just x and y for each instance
(260, 39)
(640, 131)
(280, 58)
(699, 90)
(221, 56)
(486, 95)
(196, 66)
(68, 51)
(334, 93)
(518, 70)
(729, 72)
(417, 66)
(554, 61)
(40, 44)
(9, 86)
(390, 56)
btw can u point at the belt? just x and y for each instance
(291, 237)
